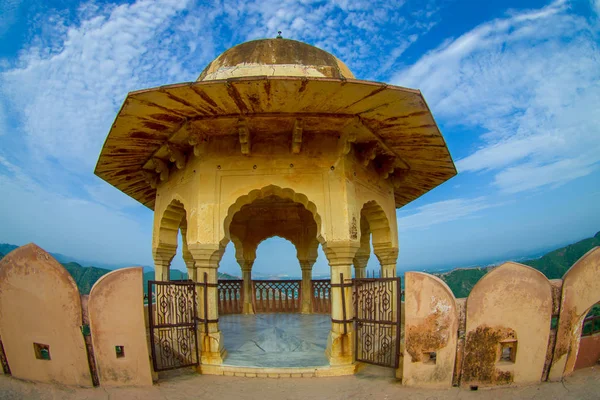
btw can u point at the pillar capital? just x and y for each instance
(245, 265)
(360, 260)
(306, 265)
(206, 255)
(164, 253)
(341, 252)
(385, 254)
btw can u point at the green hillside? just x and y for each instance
(462, 280)
(554, 265)
(85, 277)
(6, 248)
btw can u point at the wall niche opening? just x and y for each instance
(429, 357)
(508, 352)
(120, 351)
(42, 351)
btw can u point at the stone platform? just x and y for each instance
(275, 340)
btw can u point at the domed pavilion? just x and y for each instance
(275, 138)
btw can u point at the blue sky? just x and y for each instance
(514, 87)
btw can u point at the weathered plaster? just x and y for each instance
(116, 310)
(580, 291)
(511, 302)
(431, 324)
(40, 303)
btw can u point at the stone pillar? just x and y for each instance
(163, 255)
(340, 343)
(207, 257)
(246, 266)
(360, 265)
(387, 257)
(190, 265)
(306, 266)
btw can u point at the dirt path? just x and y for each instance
(369, 384)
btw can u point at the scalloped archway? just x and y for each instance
(271, 190)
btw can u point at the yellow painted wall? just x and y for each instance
(580, 291)
(40, 303)
(116, 310)
(511, 302)
(431, 324)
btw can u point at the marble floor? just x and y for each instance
(275, 340)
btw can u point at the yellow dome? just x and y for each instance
(275, 57)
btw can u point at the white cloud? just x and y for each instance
(64, 224)
(65, 86)
(531, 82)
(444, 211)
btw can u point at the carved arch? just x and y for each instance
(374, 220)
(271, 190)
(171, 220)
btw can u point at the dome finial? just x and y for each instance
(279, 35)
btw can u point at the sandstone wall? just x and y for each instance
(508, 312)
(40, 319)
(116, 310)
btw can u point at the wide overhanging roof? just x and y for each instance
(398, 118)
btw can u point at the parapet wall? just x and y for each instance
(43, 334)
(500, 334)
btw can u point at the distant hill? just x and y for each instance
(462, 280)
(556, 263)
(553, 264)
(85, 277)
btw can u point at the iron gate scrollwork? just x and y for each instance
(172, 317)
(377, 320)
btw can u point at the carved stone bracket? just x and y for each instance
(367, 152)
(161, 167)
(297, 137)
(398, 177)
(199, 143)
(244, 135)
(151, 178)
(176, 156)
(385, 166)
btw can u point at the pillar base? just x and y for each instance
(340, 348)
(212, 349)
(248, 308)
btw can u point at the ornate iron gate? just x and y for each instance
(377, 320)
(172, 317)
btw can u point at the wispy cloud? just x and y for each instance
(63, 89)
(531, 82)
(67, 224)
(444, 211)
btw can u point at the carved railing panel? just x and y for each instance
(321, 296)
(277, 296)
(231, 296)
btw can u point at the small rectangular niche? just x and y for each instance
(120, 351)
(508, 352)
(429, 357)
(42, 351)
